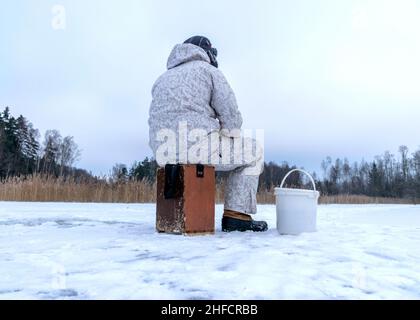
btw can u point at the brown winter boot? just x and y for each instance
(236, 215)
(237, 221)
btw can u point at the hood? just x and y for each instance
(186, 52)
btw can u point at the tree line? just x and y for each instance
(146, 170)
(387, 176)
(139, 170)
(22, 153)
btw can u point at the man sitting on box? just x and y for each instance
(194, 118)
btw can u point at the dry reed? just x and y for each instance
(360, 199)
(50, 189)
(45, 188)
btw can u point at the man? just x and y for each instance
(193, 100)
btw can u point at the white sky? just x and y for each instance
(338, 78)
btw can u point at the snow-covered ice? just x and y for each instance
(111, 251)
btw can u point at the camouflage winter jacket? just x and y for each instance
(194, 91)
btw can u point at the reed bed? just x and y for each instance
(50, 189)
(360, 199)
(39, 188)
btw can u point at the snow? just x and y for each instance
(111, 251)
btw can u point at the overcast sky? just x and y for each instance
(338, 78)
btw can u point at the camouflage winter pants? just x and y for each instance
(243, 159)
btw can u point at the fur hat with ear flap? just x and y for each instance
(205, 44)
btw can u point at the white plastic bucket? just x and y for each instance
(296, 208)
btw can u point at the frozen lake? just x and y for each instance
(111, 251)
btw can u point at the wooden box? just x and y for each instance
(185, 199)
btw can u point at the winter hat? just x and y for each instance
(205, 44)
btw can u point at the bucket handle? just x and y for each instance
(300, 170)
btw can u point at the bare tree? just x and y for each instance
(119, 173)
(325, 165)
(51, 150)
(404, 161)
(69, 153)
